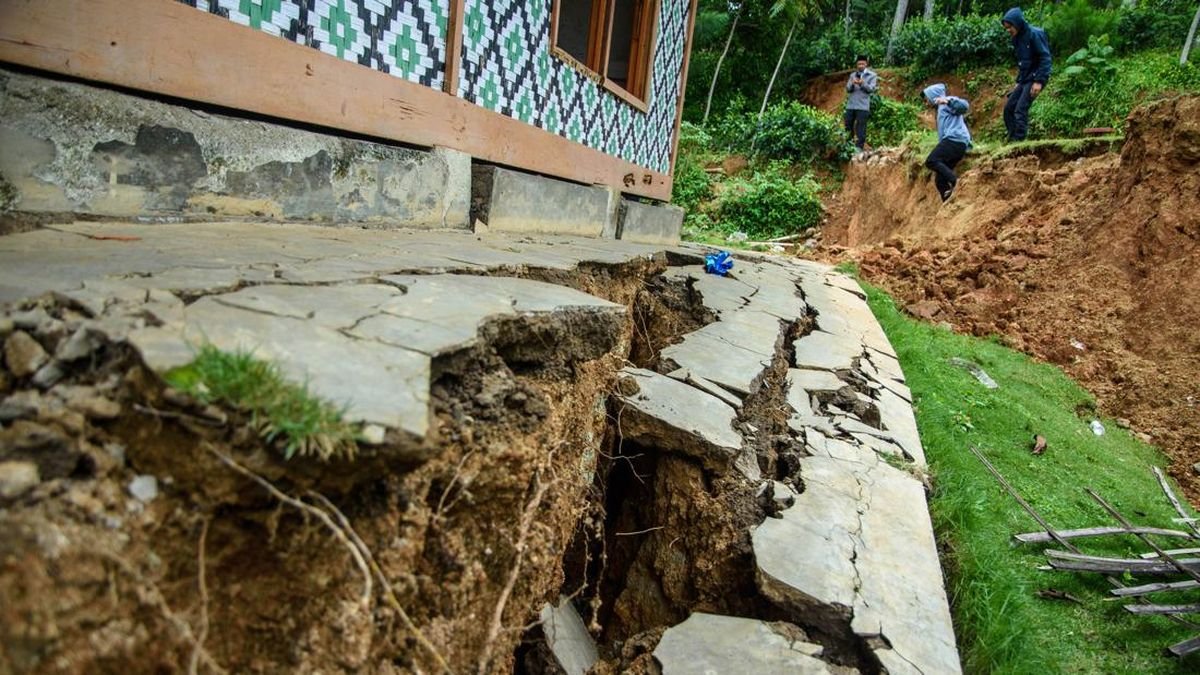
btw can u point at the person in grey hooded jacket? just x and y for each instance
(1032, 50)
(953, 137)
(862, 83)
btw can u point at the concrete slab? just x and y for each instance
(822, 351)
(568, 637)
(710, 643)
(667, 414)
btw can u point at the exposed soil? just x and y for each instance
(1091, 263)
(524, 493)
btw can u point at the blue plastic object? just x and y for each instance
(718, 263)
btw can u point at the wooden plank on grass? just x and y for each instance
(1163, 609)
(1043, 537)
(1156, 587)
(1077, 562)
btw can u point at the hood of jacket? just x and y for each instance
(934, 91)
(1015, 17)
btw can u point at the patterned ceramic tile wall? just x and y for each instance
(405, 38)
(507, 65)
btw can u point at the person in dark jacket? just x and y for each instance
(862, 83)
(1032, 50)
(953, 137)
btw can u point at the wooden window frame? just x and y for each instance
(641, 52)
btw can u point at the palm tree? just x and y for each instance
(737, 14)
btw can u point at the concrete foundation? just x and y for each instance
(650, 223)
(77, 149)
(512, 201)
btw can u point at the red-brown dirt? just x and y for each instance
(1103, 251)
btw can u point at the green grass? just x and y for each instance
(1067, 146)
(1003, 627)
(283, 412)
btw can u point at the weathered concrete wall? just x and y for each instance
(73, 148)
(650, 223)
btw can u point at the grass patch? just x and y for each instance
(1067, 146)
(1002, 626)
(281, 411)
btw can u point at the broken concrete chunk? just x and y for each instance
(710, 643)
(81, 343)
(569, 640)
(23, 355)
(673, 416)
(685, 375)
(814, 380)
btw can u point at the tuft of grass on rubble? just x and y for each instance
(283, 412)
(1003, 626)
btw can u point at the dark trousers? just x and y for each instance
(1016, 112)
(945, 156)
(856, 125)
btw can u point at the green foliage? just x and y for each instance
(891, 121)
(944, 45)
(280, 410)
(1070, 25)
(1002, 626)
(789, 130)
(830, 51)
(769, 203)
(1152, 25)
(1096, 90)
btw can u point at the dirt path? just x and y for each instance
(1091, 264)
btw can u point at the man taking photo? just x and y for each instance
(862, 83)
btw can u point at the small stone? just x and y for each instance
(49, 375)
(1144, 437)
(1196, 468)
(17, 478)
(1123, 423)
(18, 406)
(144, 488)
(79, 345)
(6, 326)
(373, 434)
(628, 386)
(23, 354)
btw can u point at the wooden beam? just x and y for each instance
(170, 48)
(454, 44)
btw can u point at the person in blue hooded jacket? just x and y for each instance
(1032, 50)
(953, 138)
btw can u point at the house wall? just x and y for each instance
(506, 64)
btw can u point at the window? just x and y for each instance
(613, 39)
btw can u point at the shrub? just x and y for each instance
(1152, 25)
(769, 203)
(792, 131)
(1069, 25)
(831, 51)
(692, 184)
(890, 121)
(945, 45)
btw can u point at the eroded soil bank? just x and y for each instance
(1092, 263)
(142, 530)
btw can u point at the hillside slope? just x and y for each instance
(1092, 264)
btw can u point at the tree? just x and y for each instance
(1191, 37)
(737, 14)
(897, 22)
(928, 10)
(782, 7)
